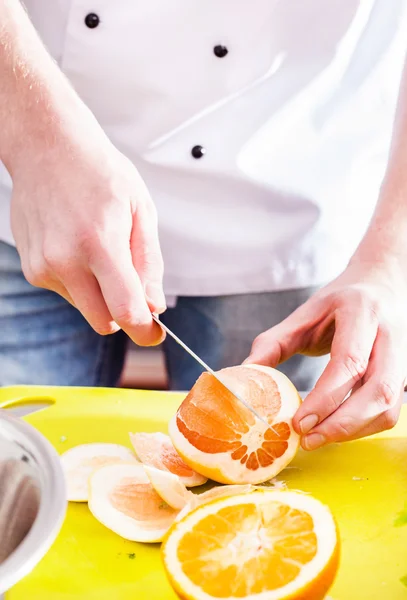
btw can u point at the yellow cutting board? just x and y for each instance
(364, 483)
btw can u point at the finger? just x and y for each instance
(62, 291)
(383, 422)
(380, 393)
(355, 333)
(37, 276)
(87, 297)
(147, 257)
(56, 286)
(288, 337)
(124, 296)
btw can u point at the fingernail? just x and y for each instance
(308, 423)
(313, 441)
(160, 340)
(155, 295)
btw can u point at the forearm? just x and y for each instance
(37, 103)
(386, 237)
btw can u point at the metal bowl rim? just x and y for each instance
(51, 513)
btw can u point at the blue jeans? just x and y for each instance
(44, 340)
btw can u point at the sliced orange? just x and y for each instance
(122, 498)
(156, 450)
(79, 462)
(266, 545)
(169, 487)
(220, 438)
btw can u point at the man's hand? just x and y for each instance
(85, 227)
(361, 318)
(82, 218)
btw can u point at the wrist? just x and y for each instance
(374, 255)
(39, 110)
(43, 130)
(385, 240)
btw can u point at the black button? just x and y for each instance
(220, 51)
(198, 151)
(92, 20)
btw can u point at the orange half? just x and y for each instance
(265, 545)
(220, 438)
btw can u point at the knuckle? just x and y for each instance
(374, 309)
(87, 242)
(105, 328)
(33, 277)
(151, 258)
(362, 298)
(138, 326)
(260, 341)
(331, 403)
(259, 345)
(342, 429)
(389, 420)
(355, 365)
(349, 295)
(34, 272)
(55, 259)
(387, 393)
(127, 316)
(53, 264)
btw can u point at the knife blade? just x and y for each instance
(209, 370)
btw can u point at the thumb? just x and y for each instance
(147, 257)
(285, 339)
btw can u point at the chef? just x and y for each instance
(259, 132)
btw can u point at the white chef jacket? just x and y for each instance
(261, 127)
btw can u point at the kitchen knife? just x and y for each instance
(209, 370)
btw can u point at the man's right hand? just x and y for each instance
(86, 227)
(82, 218)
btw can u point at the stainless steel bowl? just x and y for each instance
(32, 498)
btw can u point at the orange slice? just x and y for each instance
(156, 450)
(122, 498)
(169, 487)
(266, 545)
(220, 438)
(79, 462)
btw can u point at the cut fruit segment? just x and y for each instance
(156, 450)
(220, 438)
(264, 545)
(169, 487)
(79, 462)
(122, 498)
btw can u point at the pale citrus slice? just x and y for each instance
(79, 462)
(266, 545)
(156, 450)
(169, 487)
(220, 438)
(122, 498)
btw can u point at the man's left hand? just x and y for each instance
(361, 319)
